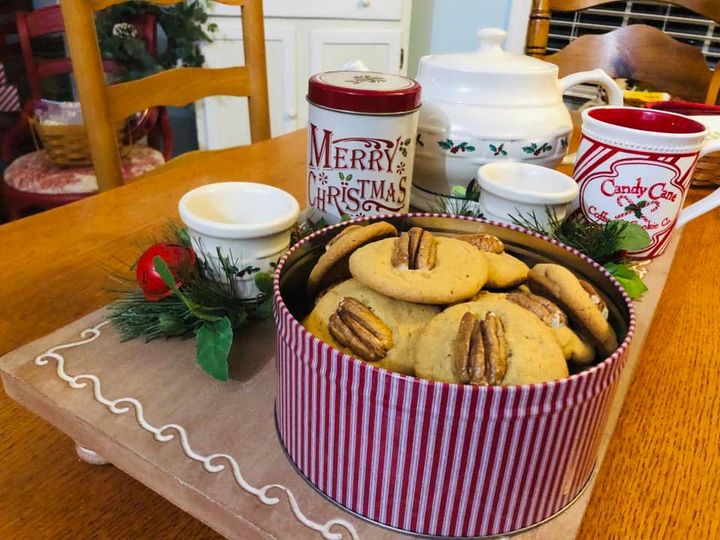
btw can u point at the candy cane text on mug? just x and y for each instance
(637, 165)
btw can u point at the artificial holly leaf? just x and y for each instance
(628, 278)
(264, 282)
(162, 269)
(632, 238)
(264, 310)
(213, 340)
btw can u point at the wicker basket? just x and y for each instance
(707, 171)
(68, 145)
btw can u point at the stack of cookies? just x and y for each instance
(455, 309)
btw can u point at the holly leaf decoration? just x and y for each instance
(348, 177)
(264, 309)
(264, 282)
(406, 142)
(341, 175)
(628, 278)
(633, 237)
(213, 340)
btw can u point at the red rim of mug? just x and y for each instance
(651, 120)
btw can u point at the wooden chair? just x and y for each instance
(31, 182)
(103, 105)
(638, 52)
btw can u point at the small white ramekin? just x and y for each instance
(246, 222)
(520, 190)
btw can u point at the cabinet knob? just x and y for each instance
(365, 3)
(292, 115)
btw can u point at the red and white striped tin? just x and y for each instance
(434, 458)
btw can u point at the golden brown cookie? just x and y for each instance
(561, 286)
(419, 267)
(364, 335)
(456, 348)
(505, 271)
(574, 348)
(332, 266)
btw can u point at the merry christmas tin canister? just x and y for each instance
(361, 143)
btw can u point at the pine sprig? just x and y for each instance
(605, 243)
(207, 306)
(599, 241)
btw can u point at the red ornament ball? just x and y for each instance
(180, 261)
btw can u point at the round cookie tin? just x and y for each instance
(361, 143)
(433, 458)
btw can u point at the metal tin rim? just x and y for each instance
(606, 364)
(398, 530)
(355, 113)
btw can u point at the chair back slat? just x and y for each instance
(97, 5)
(638, 52)
(710, 9)
(539, 24)
(177, 88)
(643, 54)
(103, 105)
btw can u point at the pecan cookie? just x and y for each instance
(332, 266)
(491, 341)
(574, 348)
(369, 325)
(420, 267)
(504, 270)
(582, 304)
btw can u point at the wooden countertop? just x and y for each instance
(660, 475)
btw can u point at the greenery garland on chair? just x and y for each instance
(184, 25)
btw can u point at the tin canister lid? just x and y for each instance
(369, 92)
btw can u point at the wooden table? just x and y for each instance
(659, 478)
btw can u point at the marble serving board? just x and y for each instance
(235, 419)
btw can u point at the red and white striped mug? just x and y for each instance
(637, 165)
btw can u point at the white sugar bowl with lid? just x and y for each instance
(361, 143)
(486, 106)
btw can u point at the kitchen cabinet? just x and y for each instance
(301, 38)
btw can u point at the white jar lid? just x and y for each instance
(489, 75)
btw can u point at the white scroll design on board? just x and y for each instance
(166, 433)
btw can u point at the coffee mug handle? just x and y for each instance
(708, 202)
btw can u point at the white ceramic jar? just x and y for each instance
(490, 105)
(361, 143)
(247, 224)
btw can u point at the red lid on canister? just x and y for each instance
(364, 92)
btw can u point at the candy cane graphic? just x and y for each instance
(636, 208)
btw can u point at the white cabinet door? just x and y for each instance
(379, 48)
(222, 121)
(387, 10)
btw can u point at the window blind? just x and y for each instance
(680, 23)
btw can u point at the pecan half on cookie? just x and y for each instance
(480, 350)
(355, 326)
(484, 242)
(416, 250)
(546, 310)
(595, 297)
